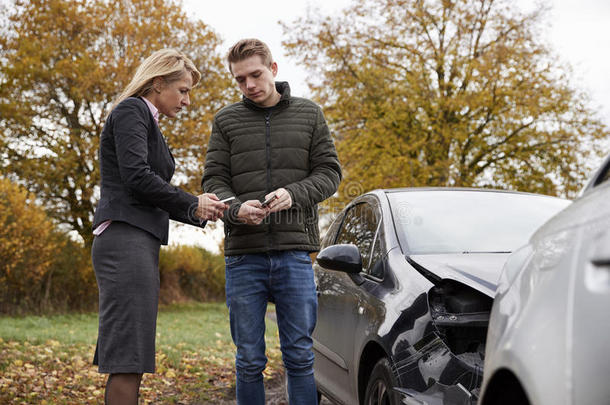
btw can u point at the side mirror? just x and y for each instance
(345, 258)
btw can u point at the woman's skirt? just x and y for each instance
(126, 263)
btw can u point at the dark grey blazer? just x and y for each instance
(136, 166)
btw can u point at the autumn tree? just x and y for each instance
(62, 63)
(447, 93)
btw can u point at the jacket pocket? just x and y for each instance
(311, 225)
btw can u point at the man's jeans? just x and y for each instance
(286, 278)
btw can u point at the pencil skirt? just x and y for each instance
(126, 263)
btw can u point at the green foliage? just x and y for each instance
(447, 93)
(188, 324)
(190, 272)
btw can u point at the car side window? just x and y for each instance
(331, 232)
(376, 267)
(358, 228)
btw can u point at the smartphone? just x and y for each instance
(268, 201)
(226, 200)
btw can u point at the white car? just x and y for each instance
(548, 341)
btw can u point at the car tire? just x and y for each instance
(379, 387)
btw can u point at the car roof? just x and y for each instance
(449, 189)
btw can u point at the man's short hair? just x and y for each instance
(246, 48)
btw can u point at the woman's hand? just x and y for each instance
(210, 208)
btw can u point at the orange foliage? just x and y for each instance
(63, 62)
(27, 243)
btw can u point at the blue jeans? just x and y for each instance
(286, 278)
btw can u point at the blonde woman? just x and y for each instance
(132, 218)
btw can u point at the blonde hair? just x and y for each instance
(168, 64)
(246, 48)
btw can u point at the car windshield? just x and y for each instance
(437, 221)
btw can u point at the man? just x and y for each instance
(270, 146)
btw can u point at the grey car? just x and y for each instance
(406, 279)
(549, 333)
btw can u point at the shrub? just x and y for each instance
(41, 268)
(71, 281)
(190, 272)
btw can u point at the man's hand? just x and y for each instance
(282, 202)
(251, 212)
(210, 208)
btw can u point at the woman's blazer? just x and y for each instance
(136, 166)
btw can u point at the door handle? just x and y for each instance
(597, 273)
(601, 250)
(601, 261)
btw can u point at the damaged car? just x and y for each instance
(548, 341)
(406, 280)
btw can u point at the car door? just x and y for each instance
(339, 296)
(590, 298)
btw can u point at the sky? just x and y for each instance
(579, 32)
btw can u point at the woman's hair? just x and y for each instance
(249, 47)
(168, 64)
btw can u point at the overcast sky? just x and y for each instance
(579, 32)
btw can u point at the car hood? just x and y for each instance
(480, 271)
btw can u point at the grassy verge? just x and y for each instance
(47, 360)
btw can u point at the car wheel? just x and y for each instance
(379, 387)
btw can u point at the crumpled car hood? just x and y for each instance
(480, 271)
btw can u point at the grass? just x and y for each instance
(47, 360)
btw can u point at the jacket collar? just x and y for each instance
(282, 87)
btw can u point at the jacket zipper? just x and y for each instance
(268, 148)
(268, 154)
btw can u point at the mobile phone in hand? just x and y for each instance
(227, 200)
(268, 201)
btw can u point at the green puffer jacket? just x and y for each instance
(253, 151)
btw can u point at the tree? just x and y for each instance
(63, 62)
(447, 93)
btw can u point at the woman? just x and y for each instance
(132, 218)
